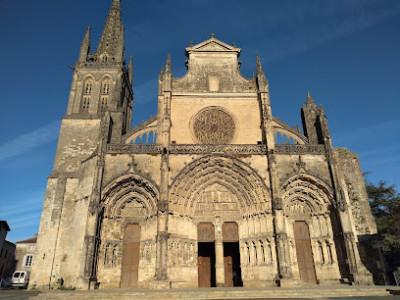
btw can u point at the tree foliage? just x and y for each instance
(385, 204)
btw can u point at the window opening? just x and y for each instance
(28, 260)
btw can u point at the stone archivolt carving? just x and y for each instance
(235, 176)
(213, 125)
(129, 196)
(304, 196)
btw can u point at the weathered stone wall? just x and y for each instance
(243, 109)
(361, 210)
(78, 140)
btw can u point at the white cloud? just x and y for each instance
(26, 142)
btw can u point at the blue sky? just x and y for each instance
(346, 53)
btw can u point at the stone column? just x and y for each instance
(219, 263)
(219, 254)
(162, 221)
(282, 245)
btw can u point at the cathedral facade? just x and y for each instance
(213, 191)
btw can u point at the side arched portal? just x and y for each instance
(128, 231)
(307, 204)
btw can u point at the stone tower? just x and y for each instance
(99, 112)
(213, 191)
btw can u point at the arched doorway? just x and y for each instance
(230, 195)
(128, 246)
(307, 204)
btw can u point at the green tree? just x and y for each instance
(385, 204)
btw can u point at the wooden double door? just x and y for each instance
(304, 252)
(207, 255)
(130, 256)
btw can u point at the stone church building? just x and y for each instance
(212, 191)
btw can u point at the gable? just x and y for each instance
(212, 45)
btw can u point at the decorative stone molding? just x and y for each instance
(98, 64)
(226, 149)
(300, 149)
(230, 149)
(134, 149)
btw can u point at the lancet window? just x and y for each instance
(104, 94)
(87, 93)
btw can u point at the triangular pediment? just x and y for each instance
(212, 45)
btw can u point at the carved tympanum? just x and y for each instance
(213, 126)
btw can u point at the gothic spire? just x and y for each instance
(261, 80)
(168, 64)
(85, 47)
(111, 46)
(259, 66)
(130, 70)
(310, 100)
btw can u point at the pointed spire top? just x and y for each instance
(112, 42)
(168, 64)
(85, 46)
(89, 28)
(130, 68)
(212, 35)
(310, 100)
(258, 65)
(116, 4)
(261, 80)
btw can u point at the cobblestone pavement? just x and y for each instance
(17, 294)
(21, 294)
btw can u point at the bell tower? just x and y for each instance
(99, 112)
(101, 81)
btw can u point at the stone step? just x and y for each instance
(223, 293)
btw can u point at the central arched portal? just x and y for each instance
(229, 203)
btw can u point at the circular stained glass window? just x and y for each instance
(213, 125)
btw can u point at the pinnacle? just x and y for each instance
(310, 100)
(258, 65)
(168, 64)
